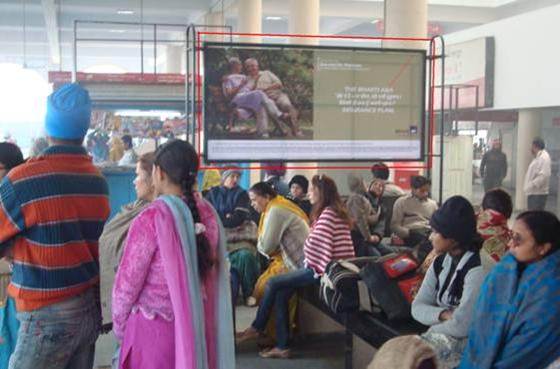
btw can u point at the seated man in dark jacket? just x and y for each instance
(232, 205)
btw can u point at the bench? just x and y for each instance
(374, 329)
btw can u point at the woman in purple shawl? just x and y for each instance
(171, 308)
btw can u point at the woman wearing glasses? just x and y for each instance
(328, 240)
(517, 318)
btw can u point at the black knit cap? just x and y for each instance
(301, 181)
(10, 155)
(456, 220)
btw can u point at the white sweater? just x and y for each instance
(537, 179)
(427, 305)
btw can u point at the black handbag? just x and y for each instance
(339, 288)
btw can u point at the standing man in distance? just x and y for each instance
(493, 167)
(52, 212)
(537, 179)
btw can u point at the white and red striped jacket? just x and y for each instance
(329, 240)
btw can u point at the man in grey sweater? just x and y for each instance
(412, 213)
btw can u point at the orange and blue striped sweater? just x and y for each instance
(52, 212)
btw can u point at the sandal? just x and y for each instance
(247, 335)
(275, 353)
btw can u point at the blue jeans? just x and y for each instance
(277, 294)
(58, 336)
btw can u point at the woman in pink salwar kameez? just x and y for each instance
(171, 304)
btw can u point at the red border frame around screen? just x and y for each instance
(198, 97)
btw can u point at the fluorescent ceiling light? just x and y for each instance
(273, 18)
(125, 12)
(117, 30)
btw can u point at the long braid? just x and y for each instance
(205, 260)
(179, 161)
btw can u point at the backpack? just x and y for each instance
(392, 281)
(339, 288)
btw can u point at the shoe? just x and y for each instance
(247, 335)
(251, 301)
(275, 353)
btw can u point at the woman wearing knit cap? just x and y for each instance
(232, 204)
(298, 193)
(450, 289)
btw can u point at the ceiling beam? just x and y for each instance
(51, 21)
(370, 10)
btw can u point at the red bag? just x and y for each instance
(399, 265)
(409, 287)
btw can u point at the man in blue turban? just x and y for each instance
(68, 113)
(52, 211)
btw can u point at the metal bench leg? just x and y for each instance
(348, 345)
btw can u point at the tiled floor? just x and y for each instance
(321, 353)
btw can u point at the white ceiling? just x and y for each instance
(49, 25)
(477, 3)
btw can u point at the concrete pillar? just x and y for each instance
(249, 18)
(528, 127)
(215, 19)
(406, 18)
(303, 19)
(174, 61)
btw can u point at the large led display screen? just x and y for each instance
(301, 103)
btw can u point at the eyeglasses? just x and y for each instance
(516, 239)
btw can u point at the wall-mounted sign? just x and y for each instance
(468, 65)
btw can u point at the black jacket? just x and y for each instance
(493, 164)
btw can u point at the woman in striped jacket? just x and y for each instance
(328, 240)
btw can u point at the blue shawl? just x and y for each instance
(224, 336)
(516, 323)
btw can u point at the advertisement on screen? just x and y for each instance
(301, 103)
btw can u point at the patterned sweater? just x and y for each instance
(52, 212)
(329, 240)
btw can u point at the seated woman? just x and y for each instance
(375, 193)
(329, 240)
(232, 204)
(517, 318)
(492, 226)
(448, 293)
(283, 229)
(364, 218)
(171, 300)
(492, 223)
(298, 193)
(114, 235)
